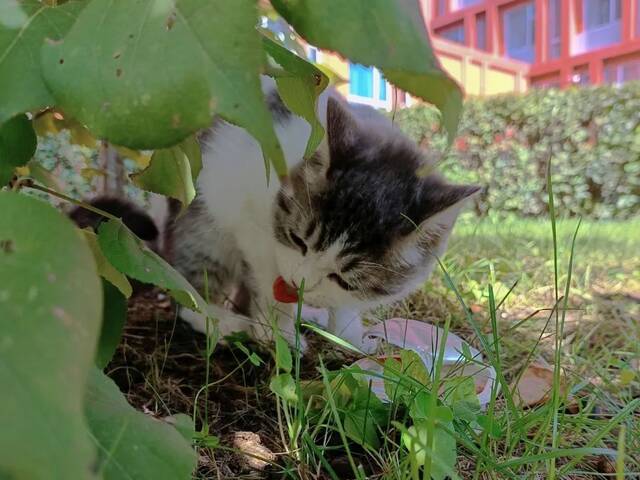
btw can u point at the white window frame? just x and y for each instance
(311, 48)
(374, 101)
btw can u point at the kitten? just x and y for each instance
(355, 221)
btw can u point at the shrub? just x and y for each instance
(591, 135)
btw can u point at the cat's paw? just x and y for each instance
(318, 316)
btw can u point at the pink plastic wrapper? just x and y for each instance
(424, 339)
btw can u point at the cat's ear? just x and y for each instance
(442, 203)
(342, 131)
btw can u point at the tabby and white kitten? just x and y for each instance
(355, 221)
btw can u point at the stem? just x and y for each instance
(70, 200)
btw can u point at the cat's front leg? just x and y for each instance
(227, 321)
(347, 324)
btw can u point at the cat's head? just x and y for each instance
(357, 222)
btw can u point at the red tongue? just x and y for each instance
(283, 292)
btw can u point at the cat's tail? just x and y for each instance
(136, 219)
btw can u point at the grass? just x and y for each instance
(498, 290)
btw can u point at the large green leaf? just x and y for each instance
(105, 269)
(132, 445)
(442, 454)
(113, 318)
(17, 145)
(50, 311)
(299, 84)
(24, 26)
(131, 257)
(160, 71)
(390, 35)
(173, 171)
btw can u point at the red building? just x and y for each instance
(563, 41)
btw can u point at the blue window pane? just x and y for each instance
(519, 32)
(455, 34)
(481, 31)
(360, 80)
(383, 89)
(554, 29)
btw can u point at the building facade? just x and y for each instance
(562, 42)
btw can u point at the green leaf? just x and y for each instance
(460, 395)
(443, 454)
(490, 426)
(133, 258)
(390, 35)
(183, 423)
(25, 26)
(17, 145)
(414, 366)
(400, 376)
(332, 338)
(50, 309)
(170, 174)
(105, 269)
(161, 70)
(253, 357)
(43, 176)
(130, 443)
(113, 318)
(191, 148)
(364, 412)
(361, 427)
(284, 386)
(299, 86)
(283, 354)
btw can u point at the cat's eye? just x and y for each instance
(299, 242)
(334, 277)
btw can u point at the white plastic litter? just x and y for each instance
(423, 338)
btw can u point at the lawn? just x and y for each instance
(502, 286)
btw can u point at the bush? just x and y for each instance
(591, 135)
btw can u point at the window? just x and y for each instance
(382, 93)
(555, 28)
(367, 85)
(481, 31)
(599, 13)
(519, 32)
(442, 7)
(360, 80)
(546, 81)
(601, 25)
(620, 72)
(312, 54)
(454, 33)
(459, 4)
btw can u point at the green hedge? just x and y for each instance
(591, 135)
